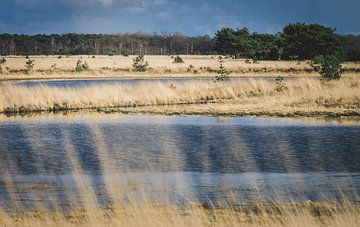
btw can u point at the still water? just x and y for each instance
(186, 158)
(83, 83)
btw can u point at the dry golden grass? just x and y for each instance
(307, 97)
(308, 214)
(161, 66)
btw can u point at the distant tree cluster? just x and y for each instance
(298, 41)
(241, 43)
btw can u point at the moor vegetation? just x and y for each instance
(296, 97)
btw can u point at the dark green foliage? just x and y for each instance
(242, 43)
(139, 64)
(352, 48)
(222, 73)
(329, 66)
(235, 43)
(305, 41)
(102, 44)
(81, 66)
(29, 64)
(178, 59)
(297, 41)
(124, 53)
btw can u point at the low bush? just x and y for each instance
(81, 66)
(2, 61)
(329, 66)
(29, 64)
(222, 73)
(139, 64)
(178, 59)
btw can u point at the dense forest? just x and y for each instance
(296, 41)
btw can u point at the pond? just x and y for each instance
(82, 83)
(177, 159)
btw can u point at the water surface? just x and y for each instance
(178, 158)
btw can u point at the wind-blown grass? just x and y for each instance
(301, 96)
(309, 214)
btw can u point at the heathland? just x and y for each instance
(301, 93)
(64, 67)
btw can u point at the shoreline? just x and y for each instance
(182, 109)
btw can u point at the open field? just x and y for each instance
(52, 67)
(296, 97)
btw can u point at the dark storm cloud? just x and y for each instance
(186, 16)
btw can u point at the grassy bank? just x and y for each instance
(307, 214)
(300, 97)
(63, 67)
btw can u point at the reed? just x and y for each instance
(310, 214)
(251, 96)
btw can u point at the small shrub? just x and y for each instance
(255, 61)
(59, 57)
(2, 61)
(124, 53)
(329, 66)
(280, 84)
(190, 68)
(178, 59)
(29, 64)
(81, 66)
(222, 73)
(139, 64)
(54, 67)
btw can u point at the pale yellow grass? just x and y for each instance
(308, 214)
(256, 97)
(161, 66)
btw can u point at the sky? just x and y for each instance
(189, 17)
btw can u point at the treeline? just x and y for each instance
(93, 44)
(296, 41)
